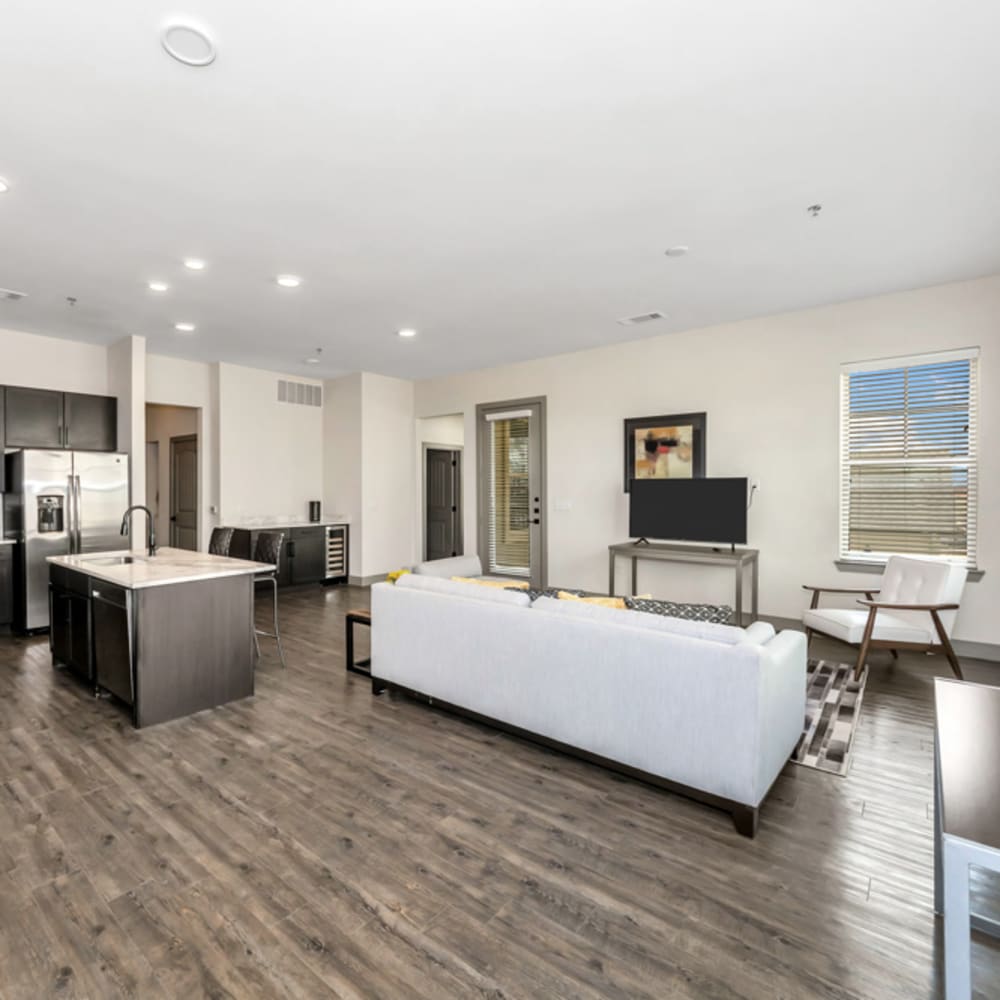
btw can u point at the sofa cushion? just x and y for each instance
(454, 566)
(437, 585)
(721, 614)
(848, 625)
(728, 634)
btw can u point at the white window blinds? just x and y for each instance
(908, 457)
(508, 525)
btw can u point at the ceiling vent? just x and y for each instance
(642, 318)
(299, 393)
(11, 296)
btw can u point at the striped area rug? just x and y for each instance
(833, 711)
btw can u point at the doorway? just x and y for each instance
(184, 492)
(173, 444)
(442, 501)
(511, 489)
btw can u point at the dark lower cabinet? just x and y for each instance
(307, 555)
(112, 641)
(70, 622)
(6, 583)
(90, 422)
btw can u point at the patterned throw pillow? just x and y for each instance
(535, 592)
(720, 614)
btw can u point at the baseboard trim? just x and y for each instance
(365, 581)
(989, 651)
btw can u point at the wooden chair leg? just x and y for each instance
(865, 640)
(895, 654)
(946, 645)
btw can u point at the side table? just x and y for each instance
(357, 616)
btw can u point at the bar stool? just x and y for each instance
(268, 550)
(221, 541)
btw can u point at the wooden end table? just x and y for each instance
(357, 616)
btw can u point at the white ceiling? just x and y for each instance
(503, 175)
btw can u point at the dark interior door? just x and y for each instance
(184, 492)
(443, 527)
(91, 422)
(34, 418)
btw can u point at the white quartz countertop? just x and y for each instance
(7, 541)
(274, 525)
(168, 566)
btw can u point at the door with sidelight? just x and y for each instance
(511, 470)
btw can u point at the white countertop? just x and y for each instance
(166, 567)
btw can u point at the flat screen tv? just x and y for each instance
(689, 510)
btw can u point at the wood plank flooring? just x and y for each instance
(315, 842)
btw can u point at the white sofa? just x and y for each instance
(709, 710)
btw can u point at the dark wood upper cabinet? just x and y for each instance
(3, 438)
(90, 422)
(33, 418)
(46, 418)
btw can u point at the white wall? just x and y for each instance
(447, 430)
(51, 363)
(388, 479)
(770, 389)
(342, 458)
(270, 453)
(162, 424)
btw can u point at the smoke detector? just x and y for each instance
(11, 296)
(650, 317)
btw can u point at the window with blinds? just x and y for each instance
(509, 532)
(908, 457)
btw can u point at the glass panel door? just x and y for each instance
(511, 508)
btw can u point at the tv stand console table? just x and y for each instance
(704, 555)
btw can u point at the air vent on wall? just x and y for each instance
(299, 393)
(11, 296)
(642, 318)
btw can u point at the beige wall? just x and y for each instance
(342, 458)
(770, 389)
(162, 424)
(270, 453)
(51, 363)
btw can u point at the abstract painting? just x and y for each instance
(667, 447)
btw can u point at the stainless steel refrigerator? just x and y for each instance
(59, 503)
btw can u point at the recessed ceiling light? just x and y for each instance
(194, 264)
(288, 280)
(315, 358)
(158, 286)
(4, 186)
(312, 361)
(188, 44)
(676, 251)
(184, 327)
(407, 331)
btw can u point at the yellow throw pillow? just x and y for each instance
(492, 583)
(604, 602)
(396, 574)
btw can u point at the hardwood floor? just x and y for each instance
(315, 841)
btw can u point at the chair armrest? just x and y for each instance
(909, 607)
(841, 590)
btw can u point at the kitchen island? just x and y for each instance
(168, 635)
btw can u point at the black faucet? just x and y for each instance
(150, 533)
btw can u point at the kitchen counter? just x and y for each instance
(168, 566)
(7, 541)
(278, 525)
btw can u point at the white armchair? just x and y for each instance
(917, 604)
